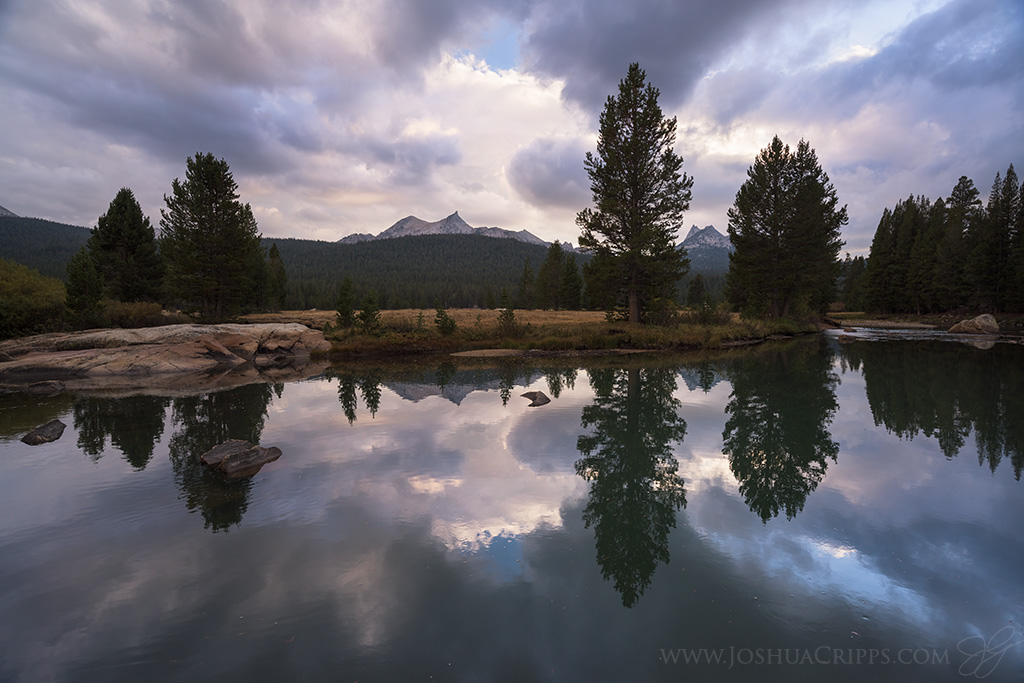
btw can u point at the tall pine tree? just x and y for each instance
(640, 195)
(785, 227)
(210, 241)
(123, 247)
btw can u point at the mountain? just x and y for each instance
(707, 249)
(40, 244)
(4, 213)
(451, 225)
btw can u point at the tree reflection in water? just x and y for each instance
(133, 425)
(635, 489)
(203, 422)
(945, 391)
(776, 434)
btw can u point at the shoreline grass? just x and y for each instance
(413, 332)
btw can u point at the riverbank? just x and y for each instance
(413, 332)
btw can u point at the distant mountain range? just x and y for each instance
(451, 225)
(707, 249)
(7, 214)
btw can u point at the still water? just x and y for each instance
(799, 511)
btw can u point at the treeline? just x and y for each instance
(952, 253)
(940, 392)
(459, 271)
(40, 244)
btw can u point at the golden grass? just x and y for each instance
(464, 317)
(412, 331)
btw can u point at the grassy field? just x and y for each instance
(413, 331)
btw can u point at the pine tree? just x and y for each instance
(639, 195)
(123, 247)
(548, 279)
(84, 291)
(210, 241)
(696, 291)
(785, 227)
(369, 316)
(345, 304)
(277, 278)
(963, 209)
(570, 288)
(525, 295)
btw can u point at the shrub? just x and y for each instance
(444, 322)
(369, 317)
(707, 314)
(29, 302)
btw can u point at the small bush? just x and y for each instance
(706, 314)
(444, 322)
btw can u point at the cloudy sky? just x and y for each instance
(345, 116)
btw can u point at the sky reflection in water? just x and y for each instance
(427, 522)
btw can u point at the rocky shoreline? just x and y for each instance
(168, 356)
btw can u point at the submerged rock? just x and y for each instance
(51, 431)
(537, 398)
(983, 324)
(236, 459)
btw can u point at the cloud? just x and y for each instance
(590, 44)
(343, 117)
(550, 172)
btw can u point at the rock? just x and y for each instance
(43, 389)
(983, 324)
(4, 357)
(984, 345)
(161, 350)
(51, 431)
(537, 398)
(237, 459)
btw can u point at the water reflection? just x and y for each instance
(367, 382)
(944, 391)
(203, 422)
(776, 434)
(133, 426)
(635, 489)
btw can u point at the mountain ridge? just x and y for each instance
(449, 225)
(707, 249)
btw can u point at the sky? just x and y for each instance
(345, 116)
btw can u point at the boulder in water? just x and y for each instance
(236, 459)
(51, 431)
(983, 324)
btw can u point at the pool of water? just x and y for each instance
(800, 511)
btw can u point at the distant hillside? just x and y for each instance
(43, 245)
(5, 213)
(407, 272)
(451, 225)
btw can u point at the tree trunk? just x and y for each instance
(634, 307)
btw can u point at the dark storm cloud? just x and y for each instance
(550, 173)
(410, 33)
(590, 44)
(409, 161)
(965, 45)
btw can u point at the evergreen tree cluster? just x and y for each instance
(557, 285)
(952, 253)
(459, 271)
(208, 258)
(785, 227)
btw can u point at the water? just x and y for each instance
(798, 511)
